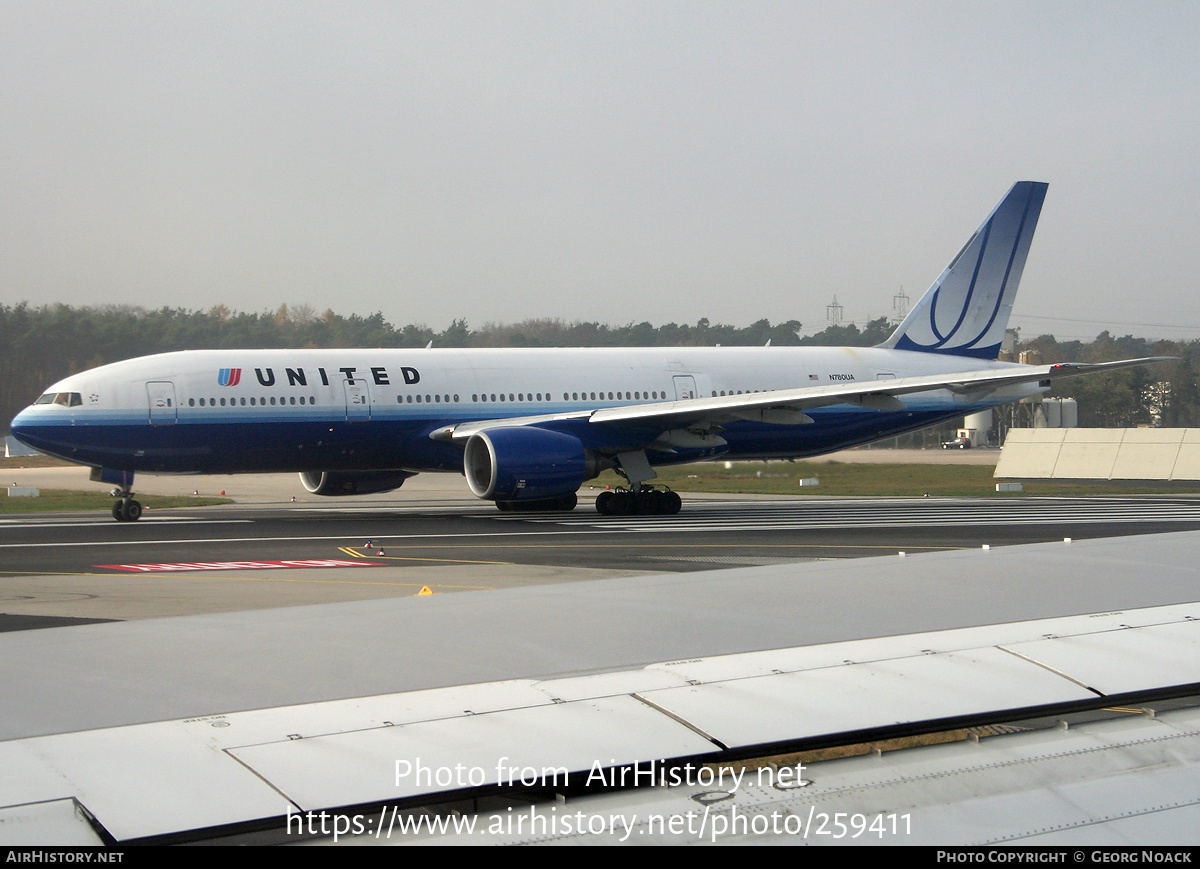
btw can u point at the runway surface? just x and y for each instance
(242, 573)
(58, 568)
(707, 533)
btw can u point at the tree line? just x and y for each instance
(40, 345)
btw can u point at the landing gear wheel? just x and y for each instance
(647, 502)
(652, 502)
(127, 510)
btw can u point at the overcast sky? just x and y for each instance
(609, 161)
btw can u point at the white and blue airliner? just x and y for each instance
(528, 427)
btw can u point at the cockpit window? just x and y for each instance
(66, 399)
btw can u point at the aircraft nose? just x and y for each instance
(19, 422)
(21, 428)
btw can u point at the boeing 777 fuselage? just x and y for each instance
(528, 427)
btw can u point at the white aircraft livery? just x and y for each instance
(528, 427)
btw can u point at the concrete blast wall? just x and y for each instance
(1100, 454)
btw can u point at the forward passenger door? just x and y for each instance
(358, 401)
(162, 402)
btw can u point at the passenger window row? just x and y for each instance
(73, 399)
(254, 402)
(493, 397)
(653, 395)
(429, 399)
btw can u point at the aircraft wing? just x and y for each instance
(1081, 704)
(787, 406)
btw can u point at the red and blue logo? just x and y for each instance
(229, 376)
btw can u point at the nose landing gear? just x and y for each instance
(125, 509)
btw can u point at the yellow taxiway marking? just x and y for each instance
(357, 554)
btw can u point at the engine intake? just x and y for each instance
(525, 463)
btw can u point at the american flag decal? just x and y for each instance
(229, 376)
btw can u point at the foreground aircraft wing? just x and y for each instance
(1086, 728)
(787, 406)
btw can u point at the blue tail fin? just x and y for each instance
(966, 310)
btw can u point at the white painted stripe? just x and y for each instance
(98, 522)
(237, 565)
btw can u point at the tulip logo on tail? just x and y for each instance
(966, 311)
(229, 376)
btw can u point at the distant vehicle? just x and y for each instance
(957, 444)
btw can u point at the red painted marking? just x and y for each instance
(238, 565)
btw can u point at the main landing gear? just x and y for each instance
(125, 509)
(640, 497)
(645, 501)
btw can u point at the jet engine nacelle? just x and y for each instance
(353, 482)
(526, 464)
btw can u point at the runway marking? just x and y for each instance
(174, 520)
(349, 551)
(763, 516)
(292, 539)
(890, 547)
(283, 577)
(437, 509)
(235, 565)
